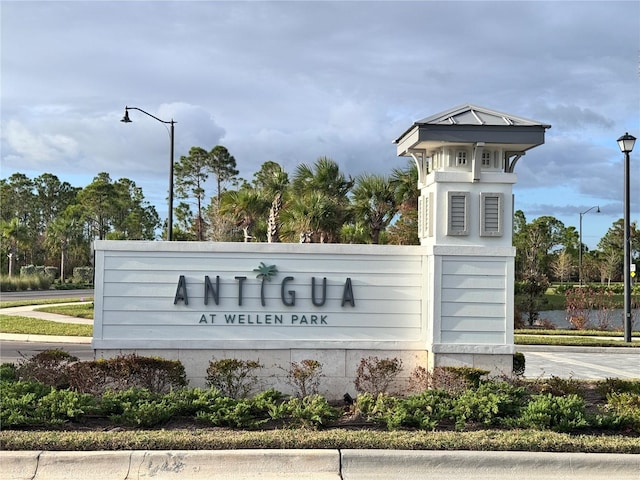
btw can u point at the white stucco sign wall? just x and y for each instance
(201, 295)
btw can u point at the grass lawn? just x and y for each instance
(36, 326)
(42, 301)
(572, 341)
(224, 439)
(80, 310)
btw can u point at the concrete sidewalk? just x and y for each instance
(316, 464)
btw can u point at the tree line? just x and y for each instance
(45, 221)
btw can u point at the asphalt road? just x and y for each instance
(11, 351)
(42, 294)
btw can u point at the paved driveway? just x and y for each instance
(581, 362)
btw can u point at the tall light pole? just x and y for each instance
(626, 143)
(126, 119)
(580, 246)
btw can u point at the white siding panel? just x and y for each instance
(255, 334)
(468, 266)
(472, 295)
(472, 310)
(137, 287)
(212, 263)
(473, 324)
(473, 300)
(473, 281)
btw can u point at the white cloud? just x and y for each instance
(33, 149)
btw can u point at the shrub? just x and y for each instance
(519, 364)
(8, 372)
(557, 386)
(622, 411)
(25, 282)
(28, 271)
(454, 380)
(50, 367)
(225, 411)
(547, 411)
(419, 379)
(370, 405)
(7, 284)
(51, 272)
(137, 407)
(473, 376)
(305, 377)
(232, 377)
(31, 403)
(127, 371)
(448, 379)
(83, 275)
(488, 404)
(580, 302)
(189, 401)
(60, 406)
(19, 401)
(618, 385)
(375, 375)
(310, 411)
(424, 411)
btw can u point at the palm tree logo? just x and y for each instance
(265, 272)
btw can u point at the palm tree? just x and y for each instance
(374, 203)
(63, 232)
(325, 189)
(313, 218)
(14, 235)
(244, 206)
(405, 183)
(272, 182)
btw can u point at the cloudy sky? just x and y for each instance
(292, 81)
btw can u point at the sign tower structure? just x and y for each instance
(466, 158)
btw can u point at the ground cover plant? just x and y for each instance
(53, 392)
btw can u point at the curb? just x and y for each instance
(315, 464)
(197, 464)
(454, 465)
(19, 337)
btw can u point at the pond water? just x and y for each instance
(560, 318)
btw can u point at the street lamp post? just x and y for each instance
(580, 246)
(626, 143)
(126, 119)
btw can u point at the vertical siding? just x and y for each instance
(136, 287)
(473, 300)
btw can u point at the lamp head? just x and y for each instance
(626, 143)
(126, 118)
